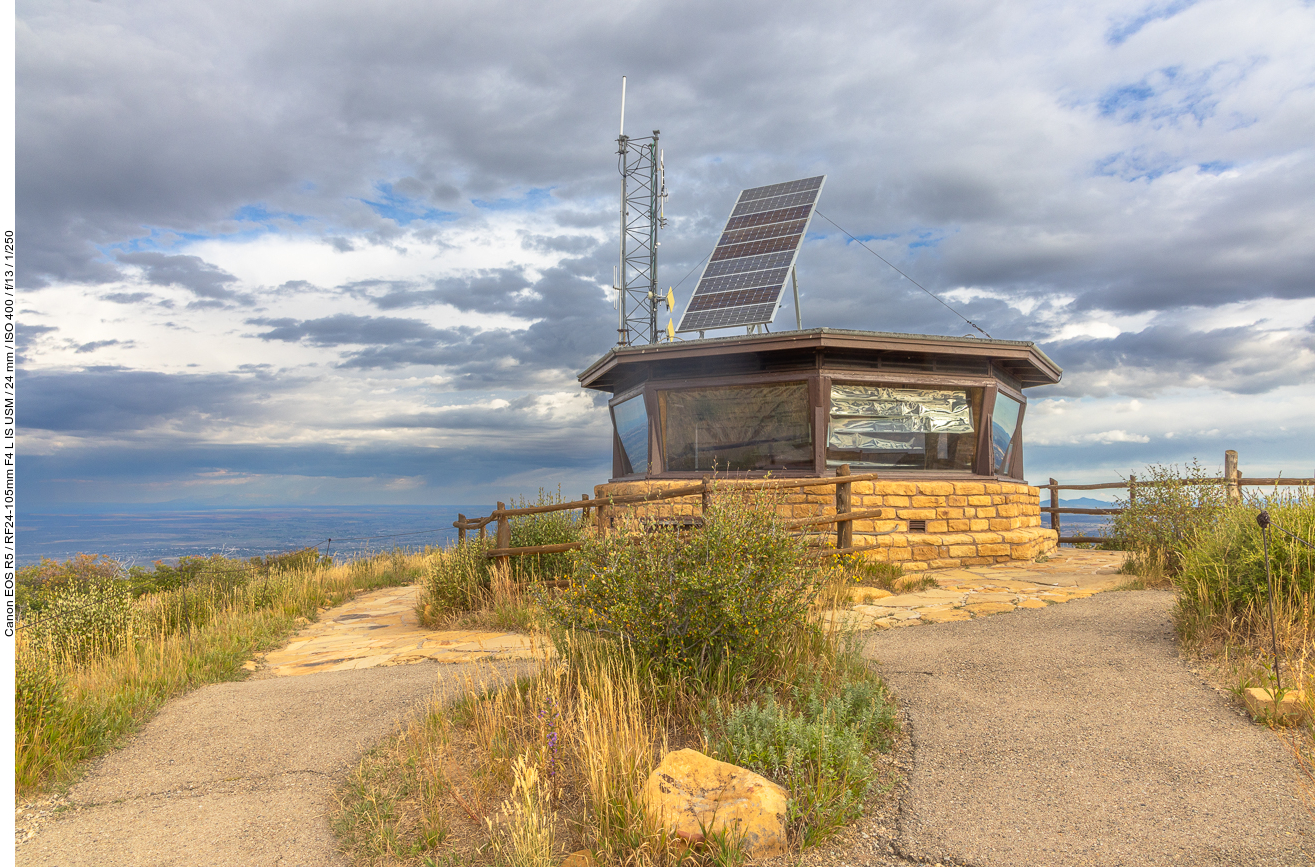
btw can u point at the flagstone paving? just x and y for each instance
(980, 591)
(382, 628)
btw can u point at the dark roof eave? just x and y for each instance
(1016, 351)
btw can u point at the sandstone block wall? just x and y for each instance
(967, 523)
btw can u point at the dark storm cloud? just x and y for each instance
(347, 329)
(114, 400)
(126, 297)
(1241, 360)
(573, 326)
(489, 101)
(190, 272)
(101, 344)
(487, 292)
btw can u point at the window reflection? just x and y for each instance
(754, 427)
(877, 427)
(1004, 424)
(632, 427)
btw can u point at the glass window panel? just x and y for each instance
(1004, 421)
(632, 428)
(877, 427)
(752, 427)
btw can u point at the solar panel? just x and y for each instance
(747, 271)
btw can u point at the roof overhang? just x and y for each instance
(1022, 359)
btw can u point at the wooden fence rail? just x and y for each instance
(844, 515)
(1232, 480)
(843, 518)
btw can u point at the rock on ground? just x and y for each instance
(690, 794)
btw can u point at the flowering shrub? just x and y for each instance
(731, 592)
(84, 622)
(37, 582)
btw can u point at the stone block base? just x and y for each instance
(963, 523)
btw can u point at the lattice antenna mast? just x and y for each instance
(643, 192)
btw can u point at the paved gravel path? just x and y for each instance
(1070, 735)
(1075, 735)
(238, 774)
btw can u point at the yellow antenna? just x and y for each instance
(671, 298)
(671, 329)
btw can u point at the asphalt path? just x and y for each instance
(1076, 735)
(1070, 735)
(240, 774)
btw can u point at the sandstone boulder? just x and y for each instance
(690, 793)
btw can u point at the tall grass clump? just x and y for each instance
(1223, 591)
(1163, 516)
(461, 583)
(100, 647)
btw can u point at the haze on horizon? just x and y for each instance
(359, 254)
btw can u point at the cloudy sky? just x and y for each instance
(278, 253)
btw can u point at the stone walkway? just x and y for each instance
(978, 591)
(381, 628)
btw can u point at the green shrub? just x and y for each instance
(734, 593)
(821, 753)
(1164, 514)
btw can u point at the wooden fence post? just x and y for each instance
(1132, 490)
(584, 513)
(844, 529)
(503, 539)
(1054, 504)
(461, 527)
(1232, 475)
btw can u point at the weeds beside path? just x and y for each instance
(1076, 734)
(237, 773)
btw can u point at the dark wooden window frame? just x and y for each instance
(819, 379)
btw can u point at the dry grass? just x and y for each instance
(72, 708)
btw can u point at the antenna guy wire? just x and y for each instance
(902, 274)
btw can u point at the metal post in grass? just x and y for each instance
(1263, 520)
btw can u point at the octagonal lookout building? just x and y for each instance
(939, 419)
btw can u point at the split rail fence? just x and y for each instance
(843, 518)
(1232, 480)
